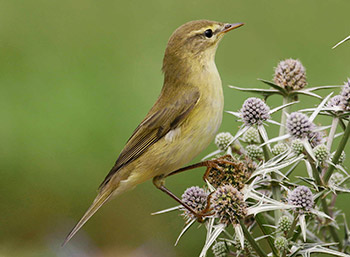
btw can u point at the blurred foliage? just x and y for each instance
(77, 76)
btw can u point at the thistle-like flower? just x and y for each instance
(345, 96)
(228, 204)
(223, 140)
(220, 249)
(298, 125)
(335, 101)
(301, 197)
(254, 152)
(254, 111)
(290, 74)
(235, 174)
(281, 243)
(284, 224)
(297, 146)
(251, 136)
(279, 148)
(315, 137)
(321, 153)
(196, 198)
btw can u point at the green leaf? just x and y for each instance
(277, 87)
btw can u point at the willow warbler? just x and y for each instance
(182, 122)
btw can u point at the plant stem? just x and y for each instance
(337, 154)
(260, 220)
(286, 100)
(331, 228)
(276, 190)
(330, 138)
(325, 208)
(295, 221)
(251, 240)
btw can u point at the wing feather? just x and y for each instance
(154, 127)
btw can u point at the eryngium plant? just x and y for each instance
(255, 202)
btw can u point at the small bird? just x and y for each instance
(182, 122)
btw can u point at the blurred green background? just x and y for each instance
(77, 76)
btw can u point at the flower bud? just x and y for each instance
(281, 243)
(254, 152)
(223, 139)
(219, 249)
(251, 136)
(279, 148)
(321, 153)
(284, 224)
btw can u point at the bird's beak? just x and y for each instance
(229, 27)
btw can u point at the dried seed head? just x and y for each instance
(345, 96)
(301, 197)
(220, 249)
(297, 146)
(254, 111)
(251, 136)
(228, 204)
(196, 198)
(321, 153)
(284, 224)
(254, 152)
(236, 174)
(290, 74)
(223, 139)
(299, 125)
(334, 101)
(281, 243)
(279, 148)
(336, 179)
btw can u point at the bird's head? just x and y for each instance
(195, 41)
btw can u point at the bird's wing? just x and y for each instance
(153, 128)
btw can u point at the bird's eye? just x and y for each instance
(208, 33)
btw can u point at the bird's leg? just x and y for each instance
(158, 181)
(209, 164)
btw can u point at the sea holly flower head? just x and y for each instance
(345, 96)
(290, 74)
(301, 197)
(299, 125)
(254, 111)
(196, 198)
(228, 204)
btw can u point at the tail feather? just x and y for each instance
(101, 198)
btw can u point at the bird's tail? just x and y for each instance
(100, 199)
